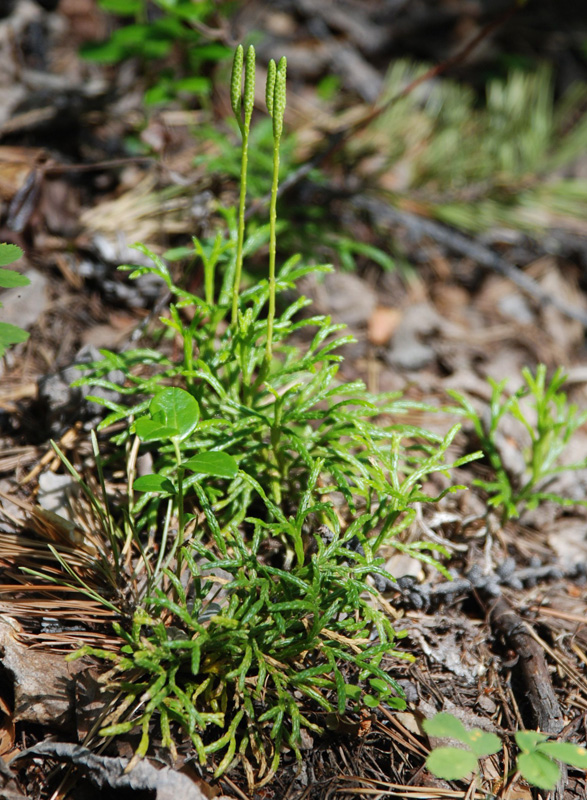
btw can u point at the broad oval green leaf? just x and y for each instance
(527, 740)
(176, 408)
(150, 430)
(9, 253)
(451, 763)
(482, 743)
(154, 483)
(220, 465)
(10, 278)
(445, 726)
(353, 692)
(380, 685)
(575, 755)
(538, 769)
(396, 702)
(370, 701)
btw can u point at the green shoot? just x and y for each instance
(244, 123)
(549, 433)
(536, 761)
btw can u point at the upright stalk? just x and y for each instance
(244, 123)
(180, 507)
(275, 99)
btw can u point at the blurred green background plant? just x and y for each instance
(168, 37)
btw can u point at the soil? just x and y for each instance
(503, 645)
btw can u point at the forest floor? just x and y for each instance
(504, 646)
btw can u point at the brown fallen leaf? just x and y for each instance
(382, 324)
(42, 681)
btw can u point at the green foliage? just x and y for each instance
(9, 279)
(225, 159)
(256, 443)
(153, 34)
(477, 166)
(549, 433)
(452, 763)
(536, 761)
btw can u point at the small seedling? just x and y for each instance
(537, 759)
(550, 432)
(10, 334)
(453, 763)
(536, 762)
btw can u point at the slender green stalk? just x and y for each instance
(180, 507)
(275, 98)
(244, 125)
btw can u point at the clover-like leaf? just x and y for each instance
(446, 726)
(451, 763)
(538, 769)
(574, 755)
(483, 744)
(527, 740)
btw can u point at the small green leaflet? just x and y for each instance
(451, 763)
(176, 408)
(174, 412)
(445, 726)
(9, 253)
(154, 483)
(150, 430)
(11, 334)
(221, 465)
(9, 278)
(538, 769)
(574, 755)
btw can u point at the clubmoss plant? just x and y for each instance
(549, 433)
(273, 489)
